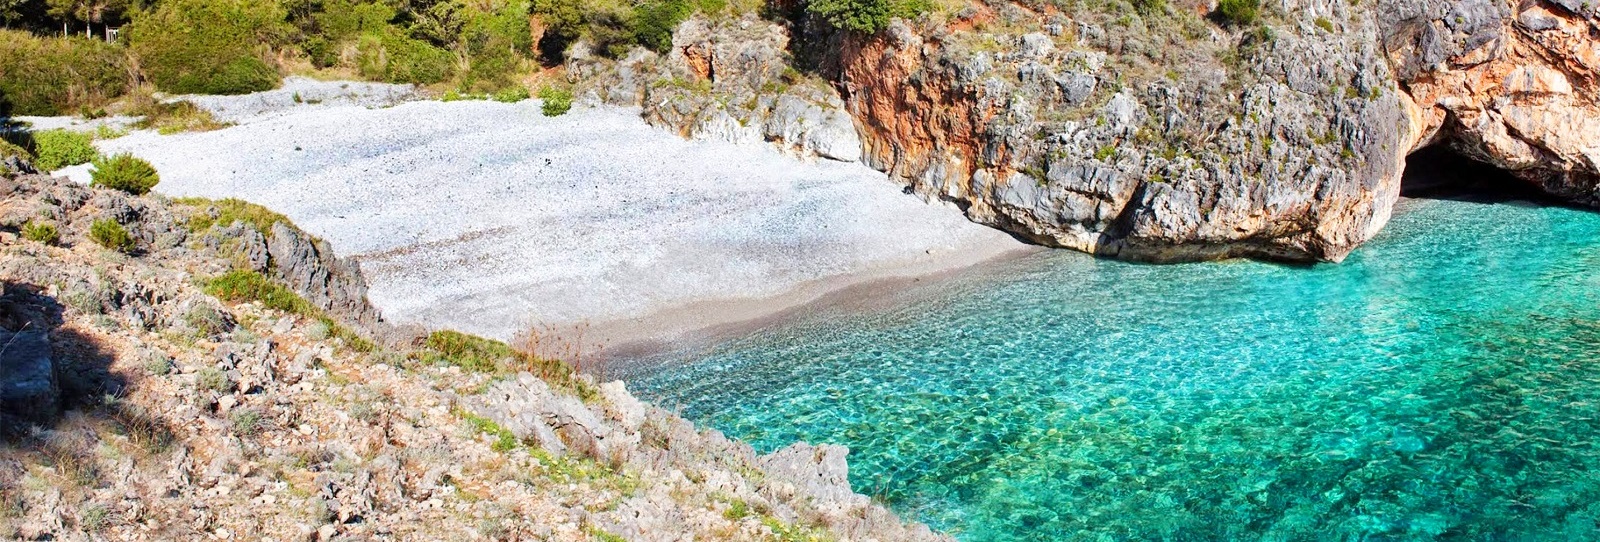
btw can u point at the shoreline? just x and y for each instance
(695, 326)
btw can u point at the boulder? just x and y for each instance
(28, 386)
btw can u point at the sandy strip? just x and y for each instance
(491, 218)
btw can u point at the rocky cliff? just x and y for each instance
(212, 383)
(1156, 134)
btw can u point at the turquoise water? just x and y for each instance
(1441, 384)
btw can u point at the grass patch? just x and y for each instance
(174, 117)
(125, 172)
(41, 232)
(469, 352)
(246, 286)
(56, 149)
(793, 533)
(108, 233)
(232, 210)
(482, 355)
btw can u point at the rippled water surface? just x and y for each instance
(1441, 384)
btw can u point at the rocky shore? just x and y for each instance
(226, 379)
(1156, 135)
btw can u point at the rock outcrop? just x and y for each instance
(186, 417)
(1162, 135)
(1516, 85)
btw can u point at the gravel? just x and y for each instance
(491, 218)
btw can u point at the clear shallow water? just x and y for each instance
(1441, 384)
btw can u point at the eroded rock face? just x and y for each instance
(728, 80)
(1516, 85)
(1167, 137)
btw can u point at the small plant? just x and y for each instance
(125, 172)
(1238, 13)
(298, 99)
(93, 518)
(213, 379)
(1325, 24)
(56, 149)
(206, 320)
(158, 365)
(106, 131)
(107, 233)
(511, 95)
(247, 422)
(41, 232)
(737, 510)
(504, 439)
(556, 101)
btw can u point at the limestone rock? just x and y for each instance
(28, 385)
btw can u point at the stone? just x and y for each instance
(29, 388)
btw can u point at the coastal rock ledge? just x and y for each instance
(1152, 136)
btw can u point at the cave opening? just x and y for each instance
(1440, 172)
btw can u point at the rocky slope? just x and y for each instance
(182, 391)
(1156, 134)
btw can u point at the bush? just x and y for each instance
(557, 101)
(42, 232)
(125, 172)
(512, 95)
(397, 59)
(108, 233)
(56, 149)
(57, 76)
(208, 46)
(863, 16)
(1238, 13)
(241, 286)
(494, 44)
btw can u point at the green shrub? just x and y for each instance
(125, 172)
(42, 232)
(494, 44)
(208, 46)
(108, 233)
(557, 101)
(863, 16)
(394, 58)
(512, 95)
(243, 286)
(55, 76)
(653, 22)
(1238, 13)
(56, 149)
